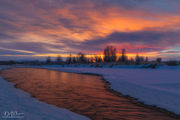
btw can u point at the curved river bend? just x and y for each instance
(83, 94)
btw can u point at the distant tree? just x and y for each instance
(132, 61)
(87, 60)
(12, 62)
(35, 62)
(159, 60)
(74, 60)
(147, 60)
(98, 59)
(91, 60)
(69, 59)
(82, 58)
(172, 63)
(48, 60)
(59, 60)
(142, 59)
(110, 54)
(8, 62)
(138, 61)
(123, 57)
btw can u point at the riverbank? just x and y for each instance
(159, 87)
(15, 100)
(84, 94)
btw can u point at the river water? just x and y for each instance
(83, 94)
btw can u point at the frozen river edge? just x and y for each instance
(16, 100)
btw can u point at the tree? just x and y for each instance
(91, 60)
(123, 57)
(110, 54)
(59, 60)
(172, 63)
(147, 60)
(158, 60)
(74, 60)
(48, 60)
(141, 59)
(82, 58)
(69, 59)
(98, 59)
(137, 59)
(131, 61)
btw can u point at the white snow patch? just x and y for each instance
(160, 87)
(12, 99)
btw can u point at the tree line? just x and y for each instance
(110, 56)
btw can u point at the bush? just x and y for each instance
(172, 63)
(153, 66)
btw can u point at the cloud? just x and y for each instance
(61, 26)
(144, 41)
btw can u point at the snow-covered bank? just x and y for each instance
(160, 87)
(15, 100)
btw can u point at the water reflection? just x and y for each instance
(83, 94)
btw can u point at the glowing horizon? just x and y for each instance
(40, 28)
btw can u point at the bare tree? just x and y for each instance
(138, 61)
(110, 54)
(159, 60)
(48, 60)
(59, 60)
(147, 60)
(132, 61)
(69, 59)
(74, 60)
(81, 58)
(98, 59)
(123, 57)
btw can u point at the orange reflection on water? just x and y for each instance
(84, 94)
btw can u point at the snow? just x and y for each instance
(16, 100)
(160, 87)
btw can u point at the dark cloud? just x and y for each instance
(5, 36)
(12, 52)
(172, 52)
(157, 40)
(36, 47)
(46, 26)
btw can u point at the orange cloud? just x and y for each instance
(79, 23)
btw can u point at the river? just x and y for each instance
(88, 95)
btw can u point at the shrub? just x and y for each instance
(172, 63)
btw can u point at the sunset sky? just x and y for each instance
(37, 28)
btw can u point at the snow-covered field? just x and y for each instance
(160, 87)
(14, 100)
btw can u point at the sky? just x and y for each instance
(32, 29)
